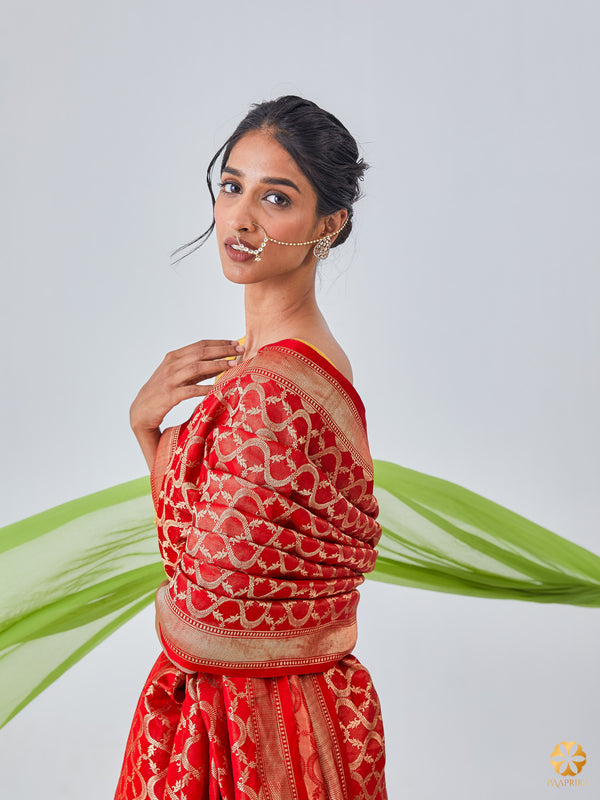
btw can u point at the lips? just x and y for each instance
(232, 240)
(238, 255)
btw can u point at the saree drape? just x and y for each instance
(266, 526)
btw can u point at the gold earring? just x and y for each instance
(322, 248)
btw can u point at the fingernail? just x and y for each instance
(240, 348)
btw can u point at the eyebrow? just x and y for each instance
(270, 181)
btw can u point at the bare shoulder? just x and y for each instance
(330, 348)
(342, 362)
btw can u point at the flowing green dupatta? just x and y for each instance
(75, 573)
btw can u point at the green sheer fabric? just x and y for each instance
(73, 574)
(70, 577)
(438, 535)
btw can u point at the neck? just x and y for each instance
(277, 312)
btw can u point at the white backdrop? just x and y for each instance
(467, 300)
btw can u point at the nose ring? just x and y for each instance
(243, 249)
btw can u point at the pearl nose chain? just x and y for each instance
(243, 249)
(321, 249)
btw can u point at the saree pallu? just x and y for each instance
(267, 523)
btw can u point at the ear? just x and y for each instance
(333, 222)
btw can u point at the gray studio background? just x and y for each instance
(467, 300)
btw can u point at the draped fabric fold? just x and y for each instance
(266, 524)
(266, 519)
(292, 737)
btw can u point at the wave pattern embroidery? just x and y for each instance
(267, 524)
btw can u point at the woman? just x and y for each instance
(265, 511)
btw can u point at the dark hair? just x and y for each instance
(320, 145)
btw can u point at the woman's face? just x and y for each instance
(261, 184)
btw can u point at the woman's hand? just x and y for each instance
(176, 379)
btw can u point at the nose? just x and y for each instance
(241, 217)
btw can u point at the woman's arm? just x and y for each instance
(176, 379)
(148, 441)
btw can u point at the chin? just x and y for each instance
(238, 273)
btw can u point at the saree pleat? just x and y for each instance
(296, 737)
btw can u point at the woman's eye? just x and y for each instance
(278, 199)
(228, 187)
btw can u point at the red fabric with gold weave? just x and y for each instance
(266, 522)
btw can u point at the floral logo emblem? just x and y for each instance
(568, 758)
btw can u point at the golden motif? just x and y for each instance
(568, 758)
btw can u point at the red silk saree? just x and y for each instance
(267, 523)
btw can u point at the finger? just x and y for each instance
(201, 355)
(208, 349)
(204, 352)
(185, 392)
(200, 371)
